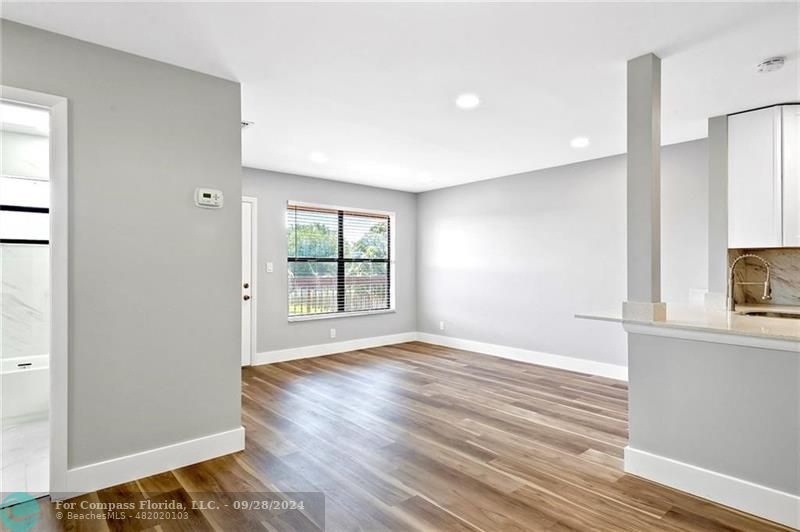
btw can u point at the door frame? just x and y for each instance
(253, 201)
(59, 277)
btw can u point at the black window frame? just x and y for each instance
(341, 261)
(29, 210)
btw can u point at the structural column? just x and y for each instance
(644, 190)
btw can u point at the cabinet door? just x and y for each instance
(754, 179)
(791, 175)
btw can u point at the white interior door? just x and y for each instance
(248, 217)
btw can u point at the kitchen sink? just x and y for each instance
(770, 314)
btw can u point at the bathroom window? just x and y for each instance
(24, 217)
(24, 174)
(339, 261)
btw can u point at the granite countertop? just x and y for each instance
(701, 319)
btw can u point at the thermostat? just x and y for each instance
(208, 198)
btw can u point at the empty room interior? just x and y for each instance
(400, 266)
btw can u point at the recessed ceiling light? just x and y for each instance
(579, 142)
(468, 100)
(771, 65)
(318, 157)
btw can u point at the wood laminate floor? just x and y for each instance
(421, 437)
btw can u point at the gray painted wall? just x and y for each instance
(273, 190)
(510, 261)
(718, 209)
(155, 331)
(154, 281)
(730, 409)
(684, 222)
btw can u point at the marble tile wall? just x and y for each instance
(785, 272)
(25, 456)
(25, 300)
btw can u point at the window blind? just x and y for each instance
(338, 261)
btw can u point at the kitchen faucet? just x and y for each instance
(767, 295)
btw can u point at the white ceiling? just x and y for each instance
(372, 86)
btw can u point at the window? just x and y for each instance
(24, 171)
(339, 261)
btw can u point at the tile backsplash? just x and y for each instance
(785, 269)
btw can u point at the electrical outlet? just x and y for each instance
(333, 333)
(270, 268)
(441, 325)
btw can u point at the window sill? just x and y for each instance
(292, 319)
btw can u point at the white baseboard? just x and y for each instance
(755, 499)
(581, 365)
(101, 475)
(309, 351)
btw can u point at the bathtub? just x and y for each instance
(25, 388)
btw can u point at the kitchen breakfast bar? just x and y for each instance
(715, 407)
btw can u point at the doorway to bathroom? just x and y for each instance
(34, 294)
(25, 319)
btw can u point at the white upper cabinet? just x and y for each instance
(755, 189)
(791, 175)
